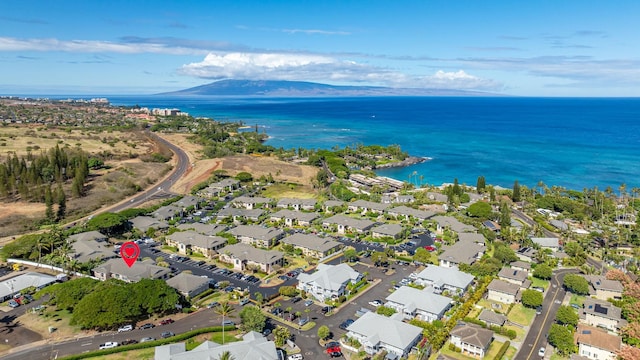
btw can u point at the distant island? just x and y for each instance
(279, 88)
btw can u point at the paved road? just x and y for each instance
(536, 337)
(530, 222)
(161, 190)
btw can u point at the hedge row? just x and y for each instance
(145, 345)
(502, 350)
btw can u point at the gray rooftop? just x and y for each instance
(521, 264)
(513, 274)
(144, 223)
(196, 239)
(473, 334)
(472, 237)
(388, 229)
(312, 242)
(447, 276)
(600, 282)
(503, 287)
(546, 242)
(186, 283)
(379, 328)
(407, 211)
(349, 222)
(461, 252)
(251, 200)
(602, 308)
(241, 212)
(330, 277)
(453, 223)
(88, 235)
(23, 281)
(249, 253)
(425, 300)
(292, 201)
(139, 270)
(364, 204)
(256, 232)
(296, 215)
(492, 317)
(87, 250)
(253, 346)
(205, 229)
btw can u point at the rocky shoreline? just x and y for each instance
(411, 160)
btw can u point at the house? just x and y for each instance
(423, 304)
(297, 204)
(87, 250)
(560, 225)
(187, 241)
(492, 318)
(257, 235)
(254, 346)
(502, 291)
(492, 226)
(462, 252)
(397, 198)
(238, 214)
(250, 202)
(144, 223)
(521, 266)
(515, 276)
(292, 218)
(348, 224)
(364, 206)
(328, 281)
(444, 278)
(602, 314)
(246, 257)
(312, 245)
(204, 229)
(547, 243)
(378, 332)
(473, 238)
(189, 285)
(189, 201)
(387, 230)
(12, 286)
(221, 187)
(437, 197)
(604, 289)
(527, 254)
(597, 344)
(451, 223)
(331, 205)
(87, 236)
(117, 269)
(409, 213)
(472, 339)
(166, 213)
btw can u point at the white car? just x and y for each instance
(541, 352)
(108, 345)
(376, 303)
(295, 357)
(125, 328)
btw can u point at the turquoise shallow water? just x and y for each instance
(572, 142)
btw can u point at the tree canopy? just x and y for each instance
(480, 209)
(532, 298)
(576, 284)
(567, 316)
(252, 318)
(543, 271)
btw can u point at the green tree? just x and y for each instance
(244, 176)
(48, 201)
(252, 318)
(226, 355)
(108, 223)
(288, 291)
(280, 335)
(422, 255)
(480, 209)
(561, 338)
(576, 284)
(378, 258)
(385, 310)
(505, 215)
(516, 192)
(66, 295)
(504, 253)
(62, 204)
(567, 316)
(481, 184)
(224, 309)
(532, 298)
(543, 271)
(324, 332)
(350, 255)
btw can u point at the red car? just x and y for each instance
(333, 349)
(166, 321)
(430, 248)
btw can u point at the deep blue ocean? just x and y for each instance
(576, 143)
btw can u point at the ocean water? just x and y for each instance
(575, 143)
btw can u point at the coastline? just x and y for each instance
(411, 160)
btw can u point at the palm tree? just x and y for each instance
(226, 356)
(223, 309)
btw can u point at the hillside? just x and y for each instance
(277, 88)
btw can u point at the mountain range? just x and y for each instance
(281, 88)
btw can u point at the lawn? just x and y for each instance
(576, 299)
(539, 282)
(520, 333)
(142, 354)
(493, 351)
(521, 315)
(279, 191)
(511, 352)
(492, 305)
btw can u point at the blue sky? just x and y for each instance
(532, 48)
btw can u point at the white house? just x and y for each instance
(502, 291)
(473, 339)
(597, 344)
(421, 304)
(328, 281)
(443, 278)
(378, 332)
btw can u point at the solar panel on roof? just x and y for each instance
(601, 309)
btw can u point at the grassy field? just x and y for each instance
(521, 315)
(540, 283)
(279, 191)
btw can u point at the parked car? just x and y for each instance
(125, 328)
(376, 303)
(227, 323)
(166, 321)
(147, 326)
(147, 339)
(308, 303)
(13, 303)
(128, 342)
(108, 345)
(303, 321)
(213, 304)
(296, 299)
(167, 334)
(266, 332)
(345, 324)
(326, 309)
(541, 352)
(295, 357)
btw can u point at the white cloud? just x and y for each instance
(92, 46)
(285, 66)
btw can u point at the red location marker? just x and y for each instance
(130, 252)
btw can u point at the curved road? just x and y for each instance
(161, 189)
(536, 337)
